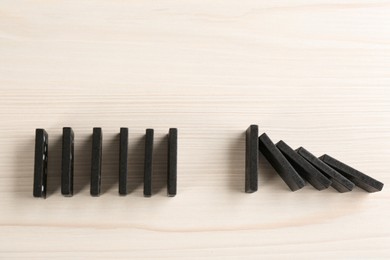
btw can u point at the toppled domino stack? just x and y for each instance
(296, 167)
(41, 161)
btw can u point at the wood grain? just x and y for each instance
(313, 73)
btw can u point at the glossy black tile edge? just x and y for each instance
(305, 169)
(361, 180)
(96, 163)
(172, 162)
(40, 163)
(293, 180)
(339, 182)
(148, 162)
(251, 158)
(123, 160)
(67, 163)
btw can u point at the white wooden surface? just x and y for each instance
(314, 73)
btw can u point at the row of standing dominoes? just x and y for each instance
(41, 161)
(293, 166)
(296, 166)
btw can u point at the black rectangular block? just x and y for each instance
(67, 162)
(123, 159)
(40, 163)
(251, 158)
(280, 163)
(96, 164)
(172, 162)
(360, 179)
(339, 182)
(305, 169)
(148, 163)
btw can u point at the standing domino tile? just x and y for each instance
(251, 158)
(123, 154)
(40, 163)
(67, 162)
(96, 163)
(305, 169)
(360, 179)
(339, 182)
(148, 163)
(280, 163)
(172, 162)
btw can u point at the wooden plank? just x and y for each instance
(315, 73)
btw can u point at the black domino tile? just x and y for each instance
(148, 163)
(280, 163)
(40, 163)
(251, 158)
(339, 182)
(304, 168)
(67, 162)
(96, 164)
(361, 180)
(172, 162)
(123, 159)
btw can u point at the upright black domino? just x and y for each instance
(172, 163)
(280, 163)
(360, 179)
(148, 163)
(40, 163)
(96, 164)
(67, 162)
(339, 182)
(251, 158)
(305, 169)
(123, 158)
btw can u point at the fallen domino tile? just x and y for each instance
(362, 180)
(304, 168)
(339, 182)
(280, 163)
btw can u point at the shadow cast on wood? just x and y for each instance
(54, 166)
(24, 168)
(236, 161)
(110, 165)
(160, 165)
(82, 164)
(136, 164)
